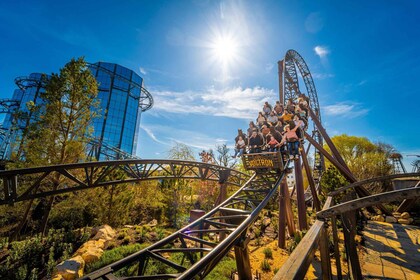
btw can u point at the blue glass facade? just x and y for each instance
(121, 99)
(120, 91)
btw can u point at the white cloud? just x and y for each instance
(269, 67)
(143, 71)
(345, 110)
(322, 76)
(152, 135)
(239, 103)
(321, 51)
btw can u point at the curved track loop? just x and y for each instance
(30, 183)
(291, 91)
(192, 252)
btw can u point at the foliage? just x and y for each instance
(32, 256)
(114, 255)
(364, 158)
(268, 254)
(59, 123)
(223, 270)
(331, 180)
(181, 152)
(222, 156)
(265, 266)
(56, 127)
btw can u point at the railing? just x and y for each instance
(299, 261)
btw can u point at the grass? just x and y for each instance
(113, 255)
(265, 266)
(223, 270)
(268, 254)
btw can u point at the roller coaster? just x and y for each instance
(204, 242)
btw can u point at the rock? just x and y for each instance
(378, 218)
(396, 215)
(153, 223)
(72, 268)
(58, 277)
(105, 232)
(390, 219)
(92, 254)
(91, 250)
(266, 221)
(405, 215)
(405, 221)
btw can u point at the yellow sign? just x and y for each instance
(260, 162)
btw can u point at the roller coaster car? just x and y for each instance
(263, 162)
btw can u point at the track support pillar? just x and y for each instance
(243, 263)
(300, 193)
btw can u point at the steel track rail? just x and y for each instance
(204, 242)
(25, 184)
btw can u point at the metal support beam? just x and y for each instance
(281, 90)
(325, 253)
(243, 263)
(282, 215)
(328, 140)
(311, 180)
(300, 193)
(349, 231)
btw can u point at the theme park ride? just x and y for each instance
(204, 242)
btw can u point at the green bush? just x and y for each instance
(114, 255)
(268, 254)
(36, 257)
(223, 270)
(265, 266)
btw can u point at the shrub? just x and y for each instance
(113, 255)
(265, 266)
(223, 270)
(36, 257)
(268, 254)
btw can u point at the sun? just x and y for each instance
(225, 49)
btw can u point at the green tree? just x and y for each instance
(223, 157)
(60, 124)
(364, 158)
(176, 190)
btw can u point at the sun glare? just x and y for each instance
(225, 49)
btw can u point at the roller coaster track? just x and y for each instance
(204, 242)
(25, 184)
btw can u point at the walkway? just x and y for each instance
(391, 251)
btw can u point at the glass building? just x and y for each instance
(122, 99)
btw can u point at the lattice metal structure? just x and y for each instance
(289, 89)
(398, 166)
(26, 184)
(192, 252)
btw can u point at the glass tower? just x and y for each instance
(121, 98)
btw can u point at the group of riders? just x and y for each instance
(279, 128)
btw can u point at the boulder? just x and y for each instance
(378, 218)
(153, 223)
(405, 215)
(396, 215)
(390, 219)
(92, 254)
(266, 221)
(104, 232)
(71, 269)
(405, 221)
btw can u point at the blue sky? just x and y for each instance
(363, 56)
